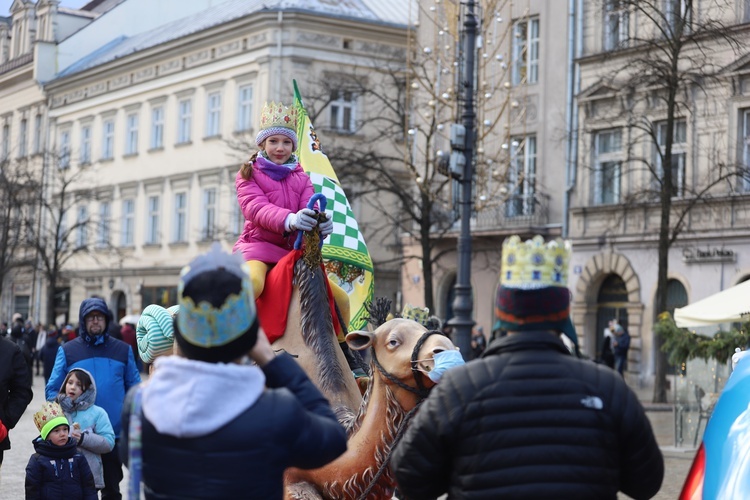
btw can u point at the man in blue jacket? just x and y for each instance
(112, 364)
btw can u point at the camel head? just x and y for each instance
(393, 346)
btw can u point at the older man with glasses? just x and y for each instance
(113, 367)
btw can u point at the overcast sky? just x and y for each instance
(5, 5)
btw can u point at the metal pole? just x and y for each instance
(463, 304)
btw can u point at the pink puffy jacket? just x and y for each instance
(266, 203)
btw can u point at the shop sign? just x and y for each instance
(708, 255)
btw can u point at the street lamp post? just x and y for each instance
(463, 304)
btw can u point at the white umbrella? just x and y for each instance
(130, 318)
(728, 306)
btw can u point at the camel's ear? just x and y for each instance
(359, 340)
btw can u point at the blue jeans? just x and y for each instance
(621, 362)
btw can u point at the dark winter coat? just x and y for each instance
(210, 455)
(109, 360)
(58, 473)
(15, 386)
(622, 344)
(19, 336)
(48, 355)
(530, 421)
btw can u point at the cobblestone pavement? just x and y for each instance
(677, 460)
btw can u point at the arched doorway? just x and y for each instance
(121, 304)
(611, 303)
(676, 295)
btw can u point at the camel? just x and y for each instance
(394, 393)
(401, 352)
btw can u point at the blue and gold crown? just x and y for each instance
(204, 325)
(533, 264)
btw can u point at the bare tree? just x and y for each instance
(17, 201)
(401, 166)
(655, 78)
(66, 227)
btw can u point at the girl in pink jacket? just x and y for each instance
(273, 192)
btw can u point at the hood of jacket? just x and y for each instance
(85, 401)
(88, 306)
(187, 398)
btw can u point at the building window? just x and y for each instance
(37, 134)
(184, 121)
(244, 108)
(164, 296)
(152, 223)
(522, 177)
(616, 20)
(131, 137)
(108, 139)
(82, 235)
(746, 12)
(208, 231)
(157, 127)
(128, 222)
(677, 14)
(23, 138)
(6, 142)
(65, 149)
(105, 213)
(237, 220)
(85, 145)
(62, 231)
(745, 131)
(180, 217)
(526, 51)
(213, 114)
(679, 154)
(607, 165)
(343, 110)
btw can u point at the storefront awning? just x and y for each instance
(728, 306)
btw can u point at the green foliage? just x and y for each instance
(682, 345)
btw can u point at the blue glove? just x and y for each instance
(304, 220)
(326, 227)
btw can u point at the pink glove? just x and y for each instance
(3, 432)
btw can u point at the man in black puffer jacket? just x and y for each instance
(529, 420)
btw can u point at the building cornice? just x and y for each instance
(218, 43)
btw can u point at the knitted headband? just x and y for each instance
(266, 133)
(518, 310)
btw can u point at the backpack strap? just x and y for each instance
(135, 464)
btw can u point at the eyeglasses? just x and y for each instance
(95, 317)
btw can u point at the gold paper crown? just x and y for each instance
(418, 314)
(50, 416)
(534, 264)
(275, 114)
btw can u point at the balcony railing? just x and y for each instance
(515, 212)
(16, 63)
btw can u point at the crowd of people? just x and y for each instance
(527, 417)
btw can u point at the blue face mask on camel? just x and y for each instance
(444, 361)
